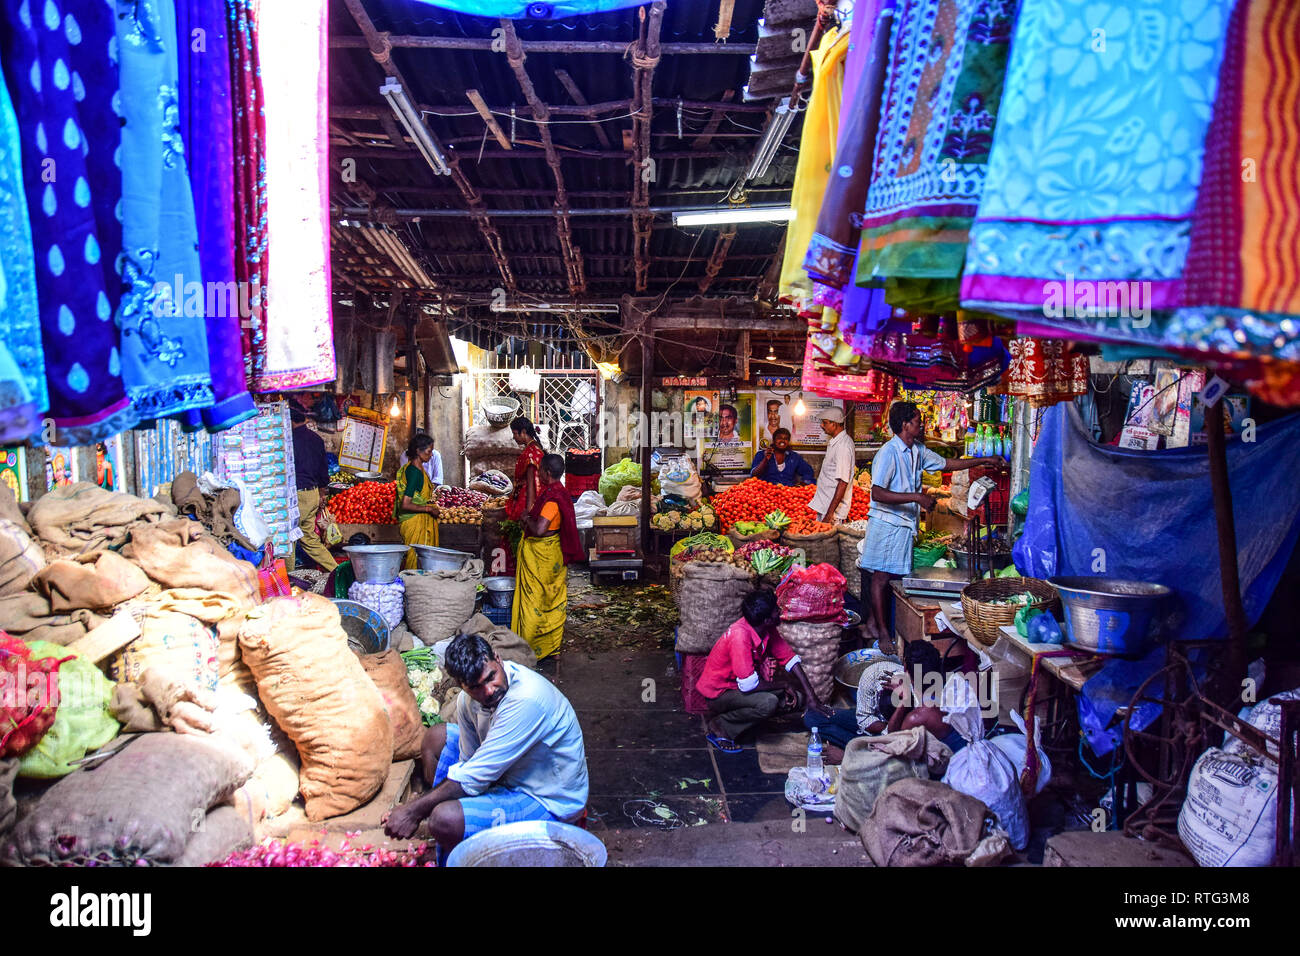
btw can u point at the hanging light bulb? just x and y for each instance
(771, 352)
(395, 410)
(800, 407)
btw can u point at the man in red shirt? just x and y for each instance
(737, 677)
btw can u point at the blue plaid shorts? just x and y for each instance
(494, 806)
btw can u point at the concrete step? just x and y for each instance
(769, 843)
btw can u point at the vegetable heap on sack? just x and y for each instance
(753, 500)
(707, 546)
(424, 675)
(276, 853)
(449, 497)
(766, 557)
(370, 502)
(683, 519)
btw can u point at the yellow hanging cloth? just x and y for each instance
(821, 130)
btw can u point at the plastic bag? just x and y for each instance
(616, 477)
(1229, 817)
(980, 769)
(83, 721)
(248, 518)
(327, 528)
(589, 505)
(1016, 747)
(677, 476)
(624, 509)
(812, 594)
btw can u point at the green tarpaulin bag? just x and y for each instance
(82, 723)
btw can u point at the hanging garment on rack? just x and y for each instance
(1241, 285)
(1045, 371)
(64, 81)
(1096, 157)
(816, 150)
(297, 349)
(164, 339)
(23, 395)
(941, 99)
(206, 127)
(833, 247)
(249, 142)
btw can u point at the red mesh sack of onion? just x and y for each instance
(29, 696)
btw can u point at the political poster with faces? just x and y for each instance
(806, 426)
(732, 447)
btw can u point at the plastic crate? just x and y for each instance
(998, 501)
(582, 464)
(577, 484)
(499, 616)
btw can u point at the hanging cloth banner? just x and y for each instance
(297, 348)
(1149, 516)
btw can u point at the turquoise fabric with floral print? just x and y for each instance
(1098, 149)
(164, 342)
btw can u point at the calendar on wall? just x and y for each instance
(364, 440)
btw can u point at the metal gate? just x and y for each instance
(565, 408)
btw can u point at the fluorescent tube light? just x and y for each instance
(773, 136)
(414, 126)
(708, 217)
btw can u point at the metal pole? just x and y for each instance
(647, 369)
(1229, 575)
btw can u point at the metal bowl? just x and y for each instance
(1109, 615)
(370, 476)
(531, 843)
(365, 627)
(499, 591)
(994, 562)
(440, 559)
(376, 563)
(849, 668)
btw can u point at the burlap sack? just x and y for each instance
(221, 832)
(28, 615)
(848, 565)
(8, 806)
(709, 602)
(821, 548)
(74, 519)
(140, 806)
(818, 647)
(319, 694)
(20, 557)
(179, 553)
(389, 675)
(922, 823)
(439, 602)
(508, 645)
(96, 580)
(222, 611)
(872, 763)
(10, 511)
(176, 646)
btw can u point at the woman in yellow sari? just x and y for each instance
(414, 508)
(550, 542)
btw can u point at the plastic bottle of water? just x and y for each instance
(816, 773)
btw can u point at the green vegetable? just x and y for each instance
(512, 532)
(777, 519)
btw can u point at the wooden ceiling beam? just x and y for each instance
(572, 254)
(645, 57)
(381, 48)
(382, 152)
(717, 258)
(362, 111)
(575, 94)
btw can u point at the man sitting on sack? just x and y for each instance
(515, 752)
(738, 675)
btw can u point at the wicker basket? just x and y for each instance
(986, 620)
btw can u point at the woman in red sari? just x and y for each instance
(527, 469)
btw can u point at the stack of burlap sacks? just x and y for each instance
(490, 448)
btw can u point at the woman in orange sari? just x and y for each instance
(527, 469)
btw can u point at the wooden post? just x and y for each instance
(1235, 664)
(647, 372)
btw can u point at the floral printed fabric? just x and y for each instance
(61, 67)
(164, 340)
(1097, 152)
(940, 102)
(1045, 371)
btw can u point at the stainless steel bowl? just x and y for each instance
(376, 563)
(365, 627)
(1109, 615)
(849, 668)
(440, 559)
(499, 591)
(531, 843)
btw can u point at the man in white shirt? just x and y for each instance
(835, 482)
(515, 753)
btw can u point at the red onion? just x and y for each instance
(277, 853)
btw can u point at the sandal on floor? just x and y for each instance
(723, 744)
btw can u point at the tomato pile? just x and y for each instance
(752, 500)
(370, 502)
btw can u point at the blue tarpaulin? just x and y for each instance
(1149, 516)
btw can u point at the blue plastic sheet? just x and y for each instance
(1149, 516)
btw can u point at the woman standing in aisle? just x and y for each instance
(417, 515)
(527, 469)
(550, 542)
